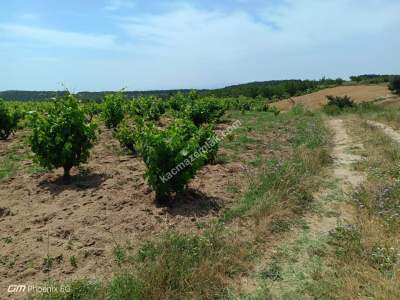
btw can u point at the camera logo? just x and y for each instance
(16, 288)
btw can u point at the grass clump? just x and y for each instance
(288, 181)
(176, 266)
(189, 266)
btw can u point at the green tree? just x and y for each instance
(63, 137)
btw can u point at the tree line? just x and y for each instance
(273, 90)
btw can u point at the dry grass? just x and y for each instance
(359, 274)
(368, 254)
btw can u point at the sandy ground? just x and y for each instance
(359, 93)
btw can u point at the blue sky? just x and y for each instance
(110, 44)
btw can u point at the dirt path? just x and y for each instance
(332, 209)
(389, 131)
(343, 158)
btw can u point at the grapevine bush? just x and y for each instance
(8, 120)
(173, 156)
(148, 108)
(178, 102)
(92, 109)
(128, 134)
(207, 135)
(113, 109)
(204, 110)
(63, 137)
(263, 107)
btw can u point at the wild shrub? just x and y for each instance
(340, 102)
(172, 156)
(8, 120)
(63, 137)
(113, 109)
(337, 104)
(394, 84)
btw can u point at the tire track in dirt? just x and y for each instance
(346, 178)
(332, 209)
(389, 131)
(342, 156)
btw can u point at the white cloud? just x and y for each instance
(188, 47)
(321, 21)
(57, 38)
(193, 47)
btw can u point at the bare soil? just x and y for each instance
(347, 179)
(359, 93)
(108, 203)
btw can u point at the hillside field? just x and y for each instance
(359, 93)
(301, 204)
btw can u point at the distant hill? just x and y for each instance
(273, 89)
(93, 96)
